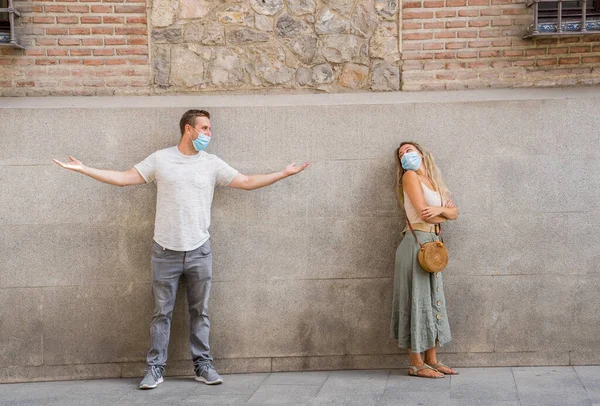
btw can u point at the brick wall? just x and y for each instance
(78, 47)
(461, 44)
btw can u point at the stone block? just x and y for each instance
(286, 198)
(239, 134)
(266, 65)
(189, 9)
(564, 114)
(59, 255)
(286, 135)
(267, 7)
(265, 249)
(308, 363)
(134, 133)
(353, 188)
(368, 313)
(339, 48)
(522, 244)
(187, 67)
(87, 324)
(497, 320)
(339, 362)
(490, 129)
(136, 208)
(305, 316)
(21, 334)
(164, 12)
(241, 36)
(301, 7)
(539, 184)
(349, 131)
(470, 183)
(41, 373)
(227, 70)
(242, 365)
(504, 359)
(353, 248)
(583, 357)
(50, 194)
(385, 76)
(354, 76)
(71, 135)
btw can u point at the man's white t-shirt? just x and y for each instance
(185, 187)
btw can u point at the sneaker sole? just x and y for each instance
(203, 380)
(160, 380)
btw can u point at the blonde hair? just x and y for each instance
(431, 170)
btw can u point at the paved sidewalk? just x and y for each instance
(474, 386)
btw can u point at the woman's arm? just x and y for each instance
(412, 186)
(447, 211)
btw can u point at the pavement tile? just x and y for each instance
(550, 386)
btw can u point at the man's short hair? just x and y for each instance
(190, 118)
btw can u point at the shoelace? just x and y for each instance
(204, 368)
(155, 371)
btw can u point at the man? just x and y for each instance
(185, 176)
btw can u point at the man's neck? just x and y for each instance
(186, 147)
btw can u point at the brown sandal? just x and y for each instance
(414, 371)
(439, 364)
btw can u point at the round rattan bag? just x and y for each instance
(433, 256)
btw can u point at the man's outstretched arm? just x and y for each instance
(117, 178)
(251, 182)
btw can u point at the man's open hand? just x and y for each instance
(73, 164)
(292, 169)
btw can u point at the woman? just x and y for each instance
(419, 317)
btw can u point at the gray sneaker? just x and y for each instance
(206, 373)
(154, 376)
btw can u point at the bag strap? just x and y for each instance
(411, 228)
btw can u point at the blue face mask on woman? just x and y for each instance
(411, 161)
(201, 142)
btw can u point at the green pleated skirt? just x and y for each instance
(419, 315)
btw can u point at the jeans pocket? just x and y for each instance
(158, 251)
(205, 249)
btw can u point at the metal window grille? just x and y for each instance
(564, 17)
(7, 24)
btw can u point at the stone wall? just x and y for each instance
(302, 269)
(314, 45)
(143, 47)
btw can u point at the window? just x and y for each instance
(569, 8)
(558, 17)
(7, 24)
(4, 22)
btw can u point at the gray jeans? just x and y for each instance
(167, 268)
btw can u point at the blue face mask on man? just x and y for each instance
(411, 161)
(201, 142)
